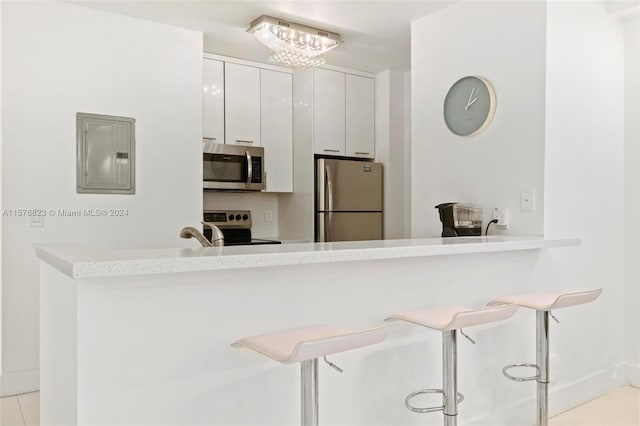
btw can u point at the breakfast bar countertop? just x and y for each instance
(79, 261)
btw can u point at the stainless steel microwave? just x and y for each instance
(232, 167)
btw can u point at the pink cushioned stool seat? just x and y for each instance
(455, 317)
(550, 301)
(301, 344)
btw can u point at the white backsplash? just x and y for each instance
(259, 203)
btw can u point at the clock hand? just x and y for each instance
(469, 102)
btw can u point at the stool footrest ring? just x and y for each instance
(521, 379)
(427, 409)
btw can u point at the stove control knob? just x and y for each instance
(238, 217)
(231, 217)
(245, 217)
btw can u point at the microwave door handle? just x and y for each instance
(249, 168)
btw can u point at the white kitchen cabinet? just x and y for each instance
(328, 112)
(242, 104)
(213, 101)
(360, 115)
(276, 129)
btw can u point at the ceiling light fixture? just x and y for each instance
(293, 44)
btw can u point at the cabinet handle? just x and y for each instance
(361, 153)
(241, 141)
(331, 150)
(209, 139)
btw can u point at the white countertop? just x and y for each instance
(79, 261)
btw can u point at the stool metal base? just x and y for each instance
(542, 359)
(427, 409)
(449, 391)
(309, 392)
(542, 367)
(520, 379)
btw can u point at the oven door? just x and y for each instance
(232, 167)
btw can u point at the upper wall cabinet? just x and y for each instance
(360, 113)
(251, 104)
(213, 100)
(276, 129)
(242, 104)
(329, 112)
(343, 113)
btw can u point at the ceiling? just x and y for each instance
(376, 34)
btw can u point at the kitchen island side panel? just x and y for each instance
(58, 347)
(155, 349)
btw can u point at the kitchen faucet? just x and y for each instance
(217, 237)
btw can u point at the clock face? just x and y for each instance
(469, 106)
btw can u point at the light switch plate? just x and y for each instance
(527, 200)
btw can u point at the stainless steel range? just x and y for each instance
(235, 225)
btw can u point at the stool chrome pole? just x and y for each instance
(309, 392)
(542, 360)
(450, 377)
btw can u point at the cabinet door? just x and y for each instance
(328, 112)
(276, 110)
(213, 101)
(360, 113)
(242, 104)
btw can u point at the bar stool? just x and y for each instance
(543, 304)
(305, 345)
(448, 320)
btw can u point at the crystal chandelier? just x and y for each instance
(293, 44)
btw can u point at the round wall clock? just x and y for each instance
(469, 106)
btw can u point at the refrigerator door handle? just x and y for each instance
(328, 181)
(328, 220)
(328, 202)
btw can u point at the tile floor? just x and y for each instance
(20, 410)
(620, 407)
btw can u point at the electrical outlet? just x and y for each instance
(268, 215)
(502, 215)
(36, 221)
(527, 200)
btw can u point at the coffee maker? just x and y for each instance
(460, 220)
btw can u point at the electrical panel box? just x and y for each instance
(105, 154)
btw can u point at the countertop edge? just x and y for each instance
(78, 268)
(54, 261)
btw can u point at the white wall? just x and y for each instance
(257, 203)
(391, 144)
(558, 73)
(584, 161)
(632, 196)
(1, 133)
(59, 59)
(505, 43)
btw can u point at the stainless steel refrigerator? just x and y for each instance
(348, 200)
